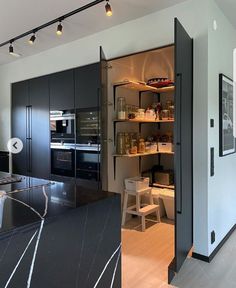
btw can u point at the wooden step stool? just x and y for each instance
(137, 209)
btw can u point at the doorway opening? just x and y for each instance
(142, 146)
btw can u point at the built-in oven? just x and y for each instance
(63, 159)
(62, 125)
(88, 162)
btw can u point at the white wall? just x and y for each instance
(144, 33)
(221, 187)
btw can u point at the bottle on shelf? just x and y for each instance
(120, 144)
(133, 143)
(127, 143)
(121, 108)
(141, 146)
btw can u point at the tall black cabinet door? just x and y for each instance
(62, 93)
(20, 101)
(183, 144)
(40, 146)
(103, 119)
(87, 83)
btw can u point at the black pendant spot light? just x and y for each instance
(108, 9)
(11, 50)
(59, 29)
(32, 39)
(32, 33)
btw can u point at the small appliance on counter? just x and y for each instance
(165, 177)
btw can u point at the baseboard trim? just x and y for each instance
(171, 271)
(208, 259)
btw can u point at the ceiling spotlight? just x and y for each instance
(32, 39)
(59, 29)
(108, 9)
(11, 51)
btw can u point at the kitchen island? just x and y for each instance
(50, 237)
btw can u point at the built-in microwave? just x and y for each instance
(62, 125)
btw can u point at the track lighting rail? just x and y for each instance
(59, 19)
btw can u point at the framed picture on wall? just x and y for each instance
(227, 140)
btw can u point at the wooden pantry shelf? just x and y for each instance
(141, 154)
(144, 121)
(163, 186)
(141, 87)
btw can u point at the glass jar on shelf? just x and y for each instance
(141, 114)
(172, 111)
(130, 112)
(141, 146)
(120, 144)
(127, 143)
(133, 143)
(121, 108)
(165, 114)
(133, 146)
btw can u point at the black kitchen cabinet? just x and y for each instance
(4, 162)
(40, 149)
(62, 92)
(87, 83)
(183, 145)
(30, 123)
(20, 100)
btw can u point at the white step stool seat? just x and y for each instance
(137, 209)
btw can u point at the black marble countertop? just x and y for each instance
(61, 197)
(46, 242)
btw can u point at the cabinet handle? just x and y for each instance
(178, 119)
(28, 122)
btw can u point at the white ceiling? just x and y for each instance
(19, 16)
(229, 9)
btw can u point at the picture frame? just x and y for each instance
(226, 103)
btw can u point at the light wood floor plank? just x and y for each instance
(146, 255)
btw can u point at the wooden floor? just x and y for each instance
(146, 255)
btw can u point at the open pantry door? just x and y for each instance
(103, 120)
(183, 145)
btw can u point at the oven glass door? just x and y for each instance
(88, 165)
(88, 126)
(63, 162)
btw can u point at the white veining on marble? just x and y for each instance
(46, 202)
(34, 255)
(38, 231)
(18, 263)
(114, 272)
(2, 201)
(99, 243)
(105, 267)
